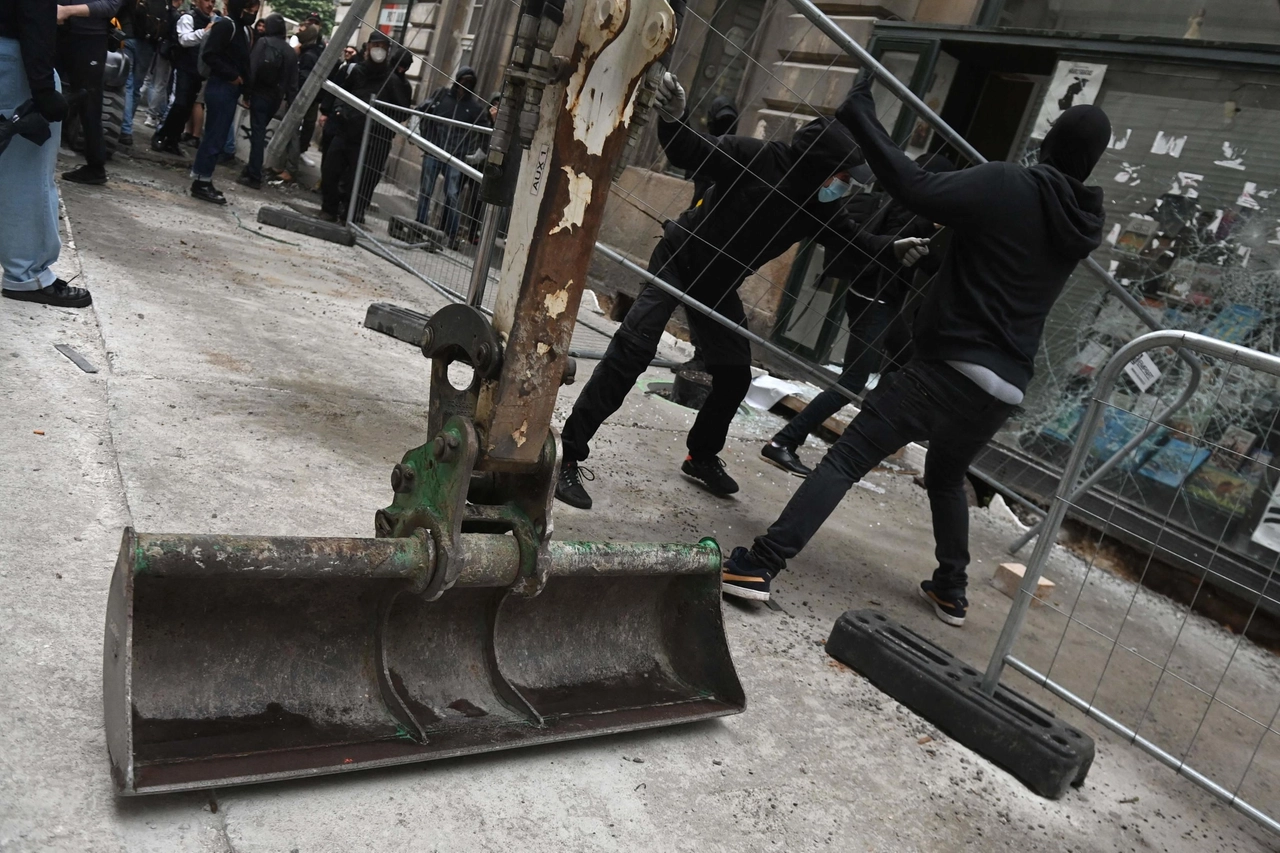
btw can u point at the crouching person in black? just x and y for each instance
(765, 196)
(1017, 235)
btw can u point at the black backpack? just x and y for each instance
(271, 71)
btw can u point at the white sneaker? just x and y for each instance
(150, 122)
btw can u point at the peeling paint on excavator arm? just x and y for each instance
(618, 40)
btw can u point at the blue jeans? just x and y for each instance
(140, 53)
(230, 147)
(29, 243)
(220, 98)
(261, 109)
(431, 169)
(924, 401)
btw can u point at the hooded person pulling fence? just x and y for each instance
(879, 290)
(375, 76)
(1017, 235)
(764, 198)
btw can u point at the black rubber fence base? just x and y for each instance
(1041, 751)
(410, 231)
(290, 221)
(402, 324)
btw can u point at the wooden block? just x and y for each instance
(1008, 579)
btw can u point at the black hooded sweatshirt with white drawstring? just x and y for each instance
(1018, 235)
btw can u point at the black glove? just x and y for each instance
(50, 104)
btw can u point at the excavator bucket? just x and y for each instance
(232, 660)
(463, 626)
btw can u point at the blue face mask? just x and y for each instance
(834, 191)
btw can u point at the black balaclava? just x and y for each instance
(273, 25)
(1075, 143)
(465, 80)
(722, 117)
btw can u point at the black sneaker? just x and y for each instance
(950, 607)
(126, 139)
(163, 147)
(205, 191)
(59, 294)
(249, 181)
(226, 159)
(741, 579)
(786, 459)
(569, 486)
(86, 174)
(711, 473)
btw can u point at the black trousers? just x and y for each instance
(925, 401)
(82, 62)
(876, 338)
(309, 124)
(375, 166)
(186, 88)
(728, 358)
(338, 166)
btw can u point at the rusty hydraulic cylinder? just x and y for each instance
(582, 133)
(491, 560)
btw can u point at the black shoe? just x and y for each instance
(59, 294)
(126, 139)
(786, 459)
(950, 607)
(247, 181)
(86, 174)
(742, 579)
(162, 147)
(205, 191)
(569, 486)
(710, 472)
(326, 216)
(226, 159)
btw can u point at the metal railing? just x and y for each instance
(1190, 467)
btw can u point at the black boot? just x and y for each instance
(205, 191)
(569, 486)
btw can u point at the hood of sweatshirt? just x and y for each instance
(273, 25)
(1074, 212)
(821, 148)
(722, 117)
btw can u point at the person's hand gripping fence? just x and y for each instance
(910, 250)
(671, 100)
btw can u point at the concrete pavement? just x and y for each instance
(238, 393)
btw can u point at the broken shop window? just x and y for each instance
(1193, 233)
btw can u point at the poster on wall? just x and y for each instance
(1073, 83)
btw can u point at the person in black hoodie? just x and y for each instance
(722, 120)
(273, 78)
(373, 77)
(878, 291)
(82, 61)
(225, 56)
(189, 32)
(1016, 236)
(764, 198)
(458, 102)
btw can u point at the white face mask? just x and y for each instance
(834, 191)
(378, 55)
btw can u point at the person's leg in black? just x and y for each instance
(375, 166)
(868, 323)
(308, 131)
(333, 171)
(629, 354)
(186, 88)
(82, 60)
(728, 361)
(261, 109)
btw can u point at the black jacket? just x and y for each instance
(1018, 234)
(764, 200)
(722, 120)
(272, 40)
(100, 14)
(307, 58)
(454, 102)
(227, 46)
(34, 23)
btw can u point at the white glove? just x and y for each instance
(909, 251)
(671, 100)
(475, 158)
